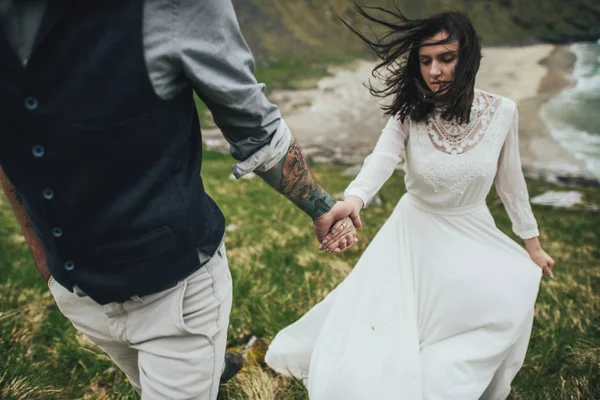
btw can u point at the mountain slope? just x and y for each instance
(309, 30)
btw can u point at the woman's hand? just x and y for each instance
(341, 236)
(343, 233)
(539, 256)
(340, 211)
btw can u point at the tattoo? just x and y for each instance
(322, 202)
(292, 178)
(295, 182)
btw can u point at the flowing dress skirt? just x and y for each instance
(439, 307)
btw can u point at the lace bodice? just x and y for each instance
(453, 138)
(450, 165)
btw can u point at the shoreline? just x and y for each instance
(531, 76)
(543, 156)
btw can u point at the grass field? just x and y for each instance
(278, 275)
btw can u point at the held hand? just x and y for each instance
(342, 234)
(340, 211)
(545, 262)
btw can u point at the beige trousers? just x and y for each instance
(171, 345)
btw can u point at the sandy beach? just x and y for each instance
(340, 121)
(531, 75)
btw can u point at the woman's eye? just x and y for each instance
(448, 60)
(426, 62)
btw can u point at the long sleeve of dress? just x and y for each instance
(381, 163)
(510, 185)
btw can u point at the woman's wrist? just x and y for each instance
(533, 245)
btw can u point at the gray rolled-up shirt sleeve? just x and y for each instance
(216, 58)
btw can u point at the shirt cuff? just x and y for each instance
(359, 193)
(530, 234)
(267, 156)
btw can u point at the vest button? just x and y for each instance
(48, 194)
(69, 265)
(38, 151)
(57, 231)
(31, 103)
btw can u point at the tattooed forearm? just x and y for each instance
(296, 182)
(292, 177)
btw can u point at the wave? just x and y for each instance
(572, 115)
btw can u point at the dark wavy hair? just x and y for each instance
(398, 48)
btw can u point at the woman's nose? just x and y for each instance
(435, 69)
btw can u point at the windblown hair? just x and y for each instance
(398, 48)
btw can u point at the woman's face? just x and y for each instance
(438, 62)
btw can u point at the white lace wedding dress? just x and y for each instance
(440, 305)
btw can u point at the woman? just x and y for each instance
(440, 306)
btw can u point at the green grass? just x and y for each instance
(278, 275)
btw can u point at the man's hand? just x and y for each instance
(340, 211)
(292, 178)
(343, 236)
(343, 233)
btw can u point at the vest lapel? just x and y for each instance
(55, 11)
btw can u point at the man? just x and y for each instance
(101, 153)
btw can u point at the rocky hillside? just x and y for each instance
(308, 30)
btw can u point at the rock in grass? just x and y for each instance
(558, 199)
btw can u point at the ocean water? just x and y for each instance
(574, 114)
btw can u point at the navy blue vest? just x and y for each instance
(109, 172)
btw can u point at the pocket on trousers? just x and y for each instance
(65, 300)
(204, 300)
(223, 255)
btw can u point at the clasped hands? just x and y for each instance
(336, 229)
